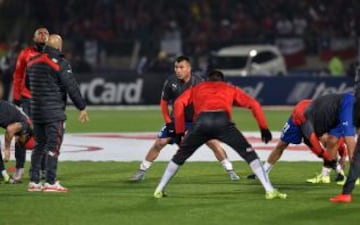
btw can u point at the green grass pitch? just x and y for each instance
(200, 193)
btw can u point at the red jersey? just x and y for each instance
(298, 111)
(19, 87)
(215, 96)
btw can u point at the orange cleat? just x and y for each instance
(343, 198)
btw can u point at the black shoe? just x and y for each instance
(251, 177)
(339, 177)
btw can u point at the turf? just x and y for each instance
(151, 120)
(199, 194)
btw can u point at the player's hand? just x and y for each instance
(330, 164)
(178, 138)
(266, 135)
(326, 156)
(171, 129)
(6, 155)
(83, 117)
(17, 102)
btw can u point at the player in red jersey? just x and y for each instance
(295, 131)
(21, 92)
(213, 101)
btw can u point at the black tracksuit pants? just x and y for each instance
(354, 171)
(20, 151)
(214, 125)
(48, 137)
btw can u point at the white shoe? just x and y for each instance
(233, 176)
(56, 187)
(34, 187)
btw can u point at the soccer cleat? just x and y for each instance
(233, 176)
(274, 194)
(319, 179)
(34, 187)
(138, 176)
(7, 179)
(342, 182)
(341, 198)
(56, 187)
(159, 194)
(17, 177)
(340, 177)
(251, 177)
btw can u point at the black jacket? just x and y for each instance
(51, 79)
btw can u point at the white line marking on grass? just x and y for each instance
(134, 146)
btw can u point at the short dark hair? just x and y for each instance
(215, 75)
(182, 58)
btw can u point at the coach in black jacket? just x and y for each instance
(51, 79)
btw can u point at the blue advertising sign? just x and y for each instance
(290, 90)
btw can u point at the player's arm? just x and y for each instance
(244, 100)
(164, 106)
(164, 102)
(18, 77)
(72, 88)
(179, 108)
(10, 132)
(313, 141)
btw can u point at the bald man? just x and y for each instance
(51, 80)
(21, 92)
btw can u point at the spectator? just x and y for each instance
(336, 66)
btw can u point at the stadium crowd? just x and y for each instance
(197, 23)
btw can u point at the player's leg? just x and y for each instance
(4, 174)
(20, 155)
(36, 156)
(274, 156)
(289, 134)
(221, 156)
(54, 137)
(25, 105)
(161, 141)
(192, 141)
(150, 157)
(234, 138)
(352, 178)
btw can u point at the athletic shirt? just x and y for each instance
(325, 112)
(10, 114)
(174, 87)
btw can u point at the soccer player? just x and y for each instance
(213, 101)
(173, 87)
(18, 125)
(51, 79)
(311, 120)
(354, 172)
(21, 92)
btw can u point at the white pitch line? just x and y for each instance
(134, 146)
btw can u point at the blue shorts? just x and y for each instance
(345, 125)
(337, 131)
(291, 133)
(164, 132)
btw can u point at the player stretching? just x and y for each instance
(173, 87)
(21, 92)
(311, 120)
(213, 101)
(18, 125)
